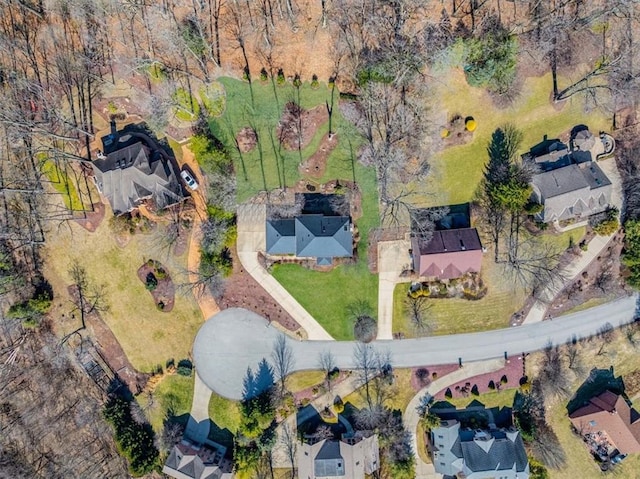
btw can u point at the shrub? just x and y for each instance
(184, 367)
(151, 282)
(334, 373)
(607, 227)
(504, 379)
(470, 124)
(492, 385)
(263, 74)
(423, 377)
(448, 394)
(444, 133)
(297, 82)
(170, 363)
(332, 82)
(474, 390)
(160, 305)
(434, 375)
(338, 405)
(161, 273)
(280, 77)
(314, 81)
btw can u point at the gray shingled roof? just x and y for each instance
(281, 236)
(312, 236)
(502, 454)
(450, 241)
(133, 173)
(570, 178)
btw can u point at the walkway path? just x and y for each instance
(393, 258)
(411, 417)
(251, 238)
(596, 246)
(236, 339)
(198, 426)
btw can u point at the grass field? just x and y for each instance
(59, 178)
(490, 399)
(262, 114)
(173, 393)
(456, 315)
(147, 335)
(302, 380)
(225, 416)
(532, 112)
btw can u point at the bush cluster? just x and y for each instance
(135, 441)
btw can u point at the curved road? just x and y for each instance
(236, 340)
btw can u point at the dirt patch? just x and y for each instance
(242, 291)
(158, 282)
(316, 165)
(298, 126)
(246, 139)
(512, 372)
(92, 219)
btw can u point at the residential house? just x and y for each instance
(491, 453)
(132, 170)
(574, 191)
(189, 461)
(310, 236)
(609, 418)
(353, 458)
(447, 254)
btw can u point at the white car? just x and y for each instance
(189, 180)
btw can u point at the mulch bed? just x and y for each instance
(242, 291)
(247, 139)
(92, 219)
(439, 371)
(313, 392)
(164, 293)
(316, 164)
(295, 118)
(513, 370)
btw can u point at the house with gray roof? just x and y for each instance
(190, 461)
(134, 170)
(478, 453)
(310, 236)
(576, 191)
(352, 459)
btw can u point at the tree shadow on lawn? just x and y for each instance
(599, 381)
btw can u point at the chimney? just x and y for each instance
(114, 130)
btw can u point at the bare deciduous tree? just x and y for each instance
(283, 360)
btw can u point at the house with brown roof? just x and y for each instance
(608, 417)
(447, 254)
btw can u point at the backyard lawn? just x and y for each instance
(532, 113)
(58, 177)
(173, 393)
(225, 416)
(148, 336)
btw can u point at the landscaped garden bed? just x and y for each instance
(158, 282)
(470, 286)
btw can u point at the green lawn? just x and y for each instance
(263, 115)
(532, 112)
(59, 178)
(173, 393)
(456, 315)
(302, 380)
(225, 416)
(491, 399)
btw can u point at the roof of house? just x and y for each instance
(188, 461)
(331, 458)
(450, 241)
(313, 236)
(610, 412)
(570, 178)
(448, 254)
(133, 173)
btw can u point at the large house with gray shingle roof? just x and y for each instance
(189, 461)
(329, 458)
(310, 236)
(478, 454)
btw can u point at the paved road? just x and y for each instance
(235, 340)
(251, 238)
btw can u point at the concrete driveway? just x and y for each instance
(393, 258)
(251, 239)
(235, 340)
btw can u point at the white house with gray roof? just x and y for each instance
(575, 191)
(478, 454)
(339, 459)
